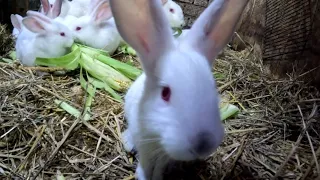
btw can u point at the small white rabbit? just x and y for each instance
(16, 21)
(172, 109)
(79, 8)
(97, 29)
(54, 12)
(47, 39)
(174, 13)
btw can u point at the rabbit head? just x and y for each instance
(49, 32)
(85, 27)
(174, 13)
(180, 103)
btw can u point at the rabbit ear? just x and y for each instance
(15, 22)
(19, 18)
(35, 24)
(143, 25)
(94, 4)
(45, 6)
(56, 9)
(164, 1)
(102, 12)
(215, 26)
(39, 16)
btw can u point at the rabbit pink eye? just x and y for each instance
(166, 93)
(78, 28)
(62, 34)
(171, 10)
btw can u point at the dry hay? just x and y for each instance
(276, 133)
(6, 40)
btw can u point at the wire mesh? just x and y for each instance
(288, 25)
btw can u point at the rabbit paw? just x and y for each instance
(127, 141)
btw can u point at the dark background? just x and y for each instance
(9, 7)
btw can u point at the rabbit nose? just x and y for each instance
(203, 143)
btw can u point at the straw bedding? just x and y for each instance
(276, 134)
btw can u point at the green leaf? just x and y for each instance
(228, 110)
(7, 60)
(13, 55)
(71, 110)
(68, 61)
(218, 75)
(177, 32)
(126, 49)
(60, 176)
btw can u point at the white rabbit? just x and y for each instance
(172, 109)
(16, 21)
(48, 39)
(97, 29)
(79, 8)
(174, 13)
(55, 11)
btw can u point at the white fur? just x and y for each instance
(67, 20)
(15, 32)
(75, 8)
(47, 10)
(42, 39)
(16, 21)
(79, 8)
(100, 32)
(188, 126)
(60, 14)
(176, 18)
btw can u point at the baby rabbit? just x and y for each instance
(172, 109)
(97, 29)
(44, 38)
(54, 12)
(174, 13)
(79, 8)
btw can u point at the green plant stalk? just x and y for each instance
(71, 110)
(101, 85)
(98, 51)
(105, 73)
(129, 71)
(97, 84)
